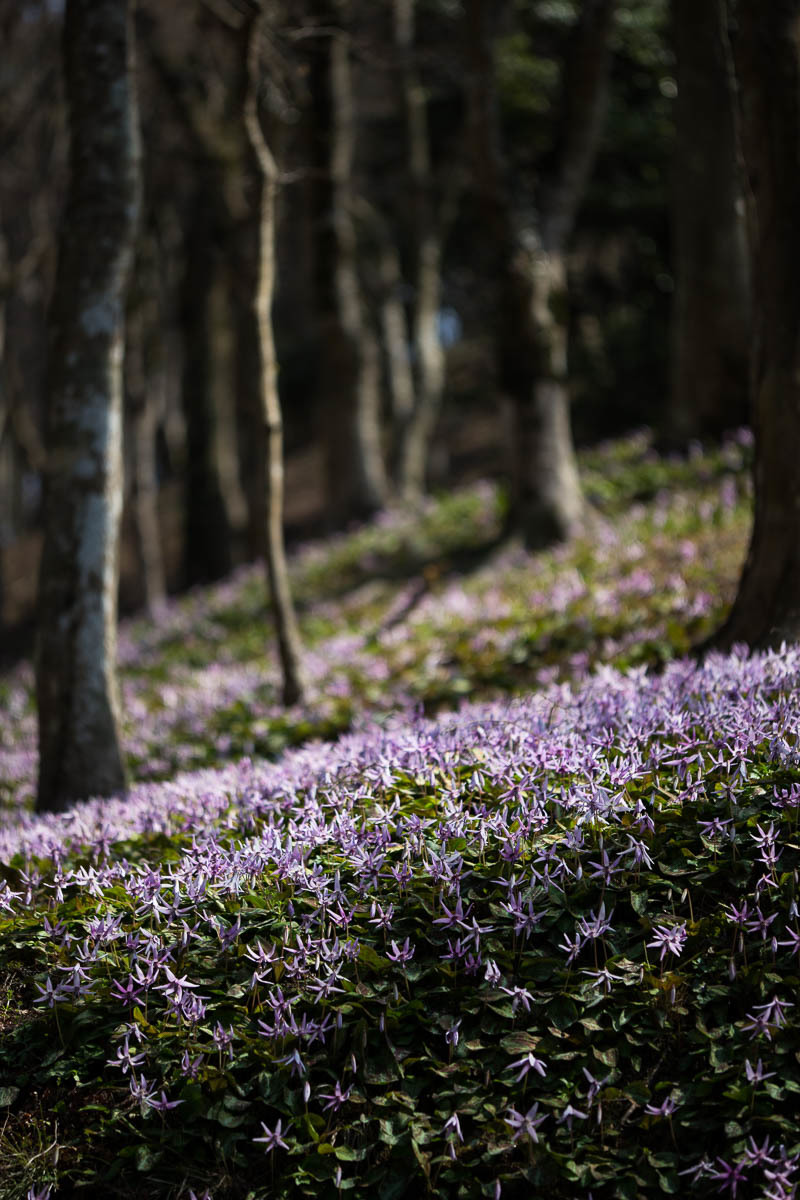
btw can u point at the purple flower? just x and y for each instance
(492, 974)
(272, 1137)
(668, 940)
(48, 994)
(294, 1062)
(756, 1074)
(759, 1154)
(453, 1126)
(401, 955)
(665, 1109)
(140, 1089)
(337, 1098)
(730, 1175)
(451, 1035)
(527, 1125)
(569, 1114)
(162, 1104)
(124, 1059)
(519, 995)
(528, 1063)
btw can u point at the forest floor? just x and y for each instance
(508, 904)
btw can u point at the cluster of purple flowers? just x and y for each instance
(327, 828)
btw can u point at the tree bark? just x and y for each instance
(766, 610)
(350, 370)
(76, 686)
(265, 178)
(531, 275)
(711, 311)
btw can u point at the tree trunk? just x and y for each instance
(395, 335)
(547, 504)
(141, 383)
(207, 546)
(766, 610)
(265, 178)
(417, 431)
(247, 375)
(711, 311)
(531, 278)
(76, 686)
(218, 478)
(350, 371)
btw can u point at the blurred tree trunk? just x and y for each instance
(395, 329)
(711, 311)
(142, 351)
(350, 368)
(766, 610)
(215, 493)
(417, 430)
(247, 374)
(19, 438)
(76, 687)
(207, 544)
(531, 280)
(260, 335)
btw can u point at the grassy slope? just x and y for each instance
(569, 806)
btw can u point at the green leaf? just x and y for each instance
(146, 1158)
(350, 1153)
(519, 1042)
(638, 1091)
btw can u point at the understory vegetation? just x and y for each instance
(509, 906)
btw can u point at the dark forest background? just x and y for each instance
(398, 119)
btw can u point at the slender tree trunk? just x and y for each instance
(395, 328)
(531, 279)
(76, 685)
(219, 481)
(766, 610)
(247, 376)
(207, 547)
(19, 437)
(350, 373)
(141, 382)
(265, 177)
(429, 353)
(711, 311)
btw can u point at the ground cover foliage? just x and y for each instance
(426, 607)
(535, 941)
